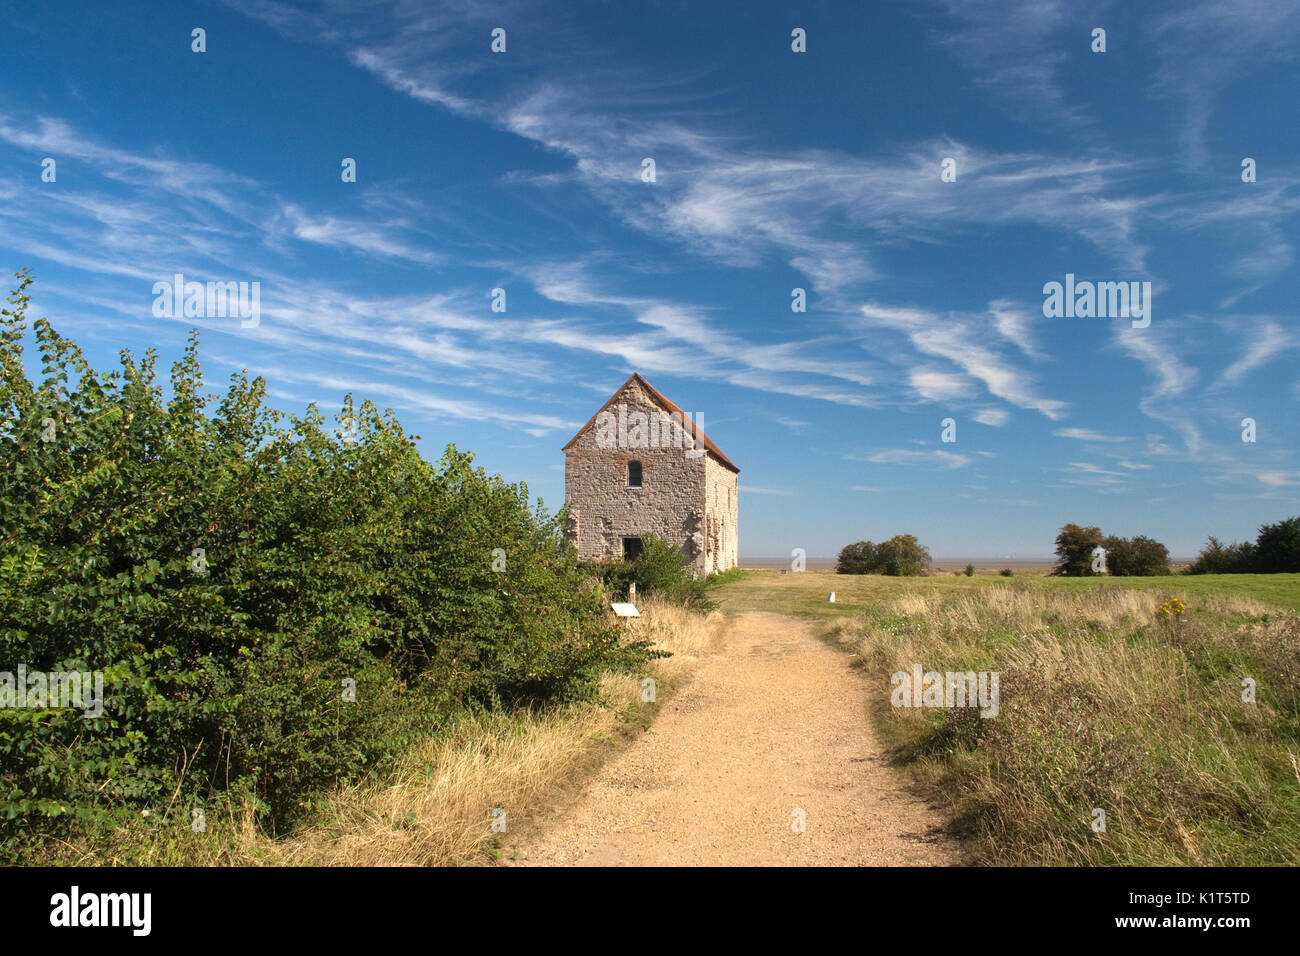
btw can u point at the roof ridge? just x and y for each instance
(669, 406)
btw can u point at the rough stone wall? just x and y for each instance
(722, 504)
(603, 510)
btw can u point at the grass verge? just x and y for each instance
(1106, 703)
(435, 806)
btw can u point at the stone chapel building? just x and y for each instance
(642, 465)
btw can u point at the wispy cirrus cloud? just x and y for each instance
(359, 236)
(438, 407)
(1172, 379)
(957, 340)
(1090, 469)
(994, 417)
(1205, 46)
(911, 456)
(1279, 479)
(718, 193)
(682, 338)
(1089, 434)
(1013, 48)
(1266, 341)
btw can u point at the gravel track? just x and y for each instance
(772, 722)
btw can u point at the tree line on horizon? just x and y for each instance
(1275, 550)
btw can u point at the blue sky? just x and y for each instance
(775, 170)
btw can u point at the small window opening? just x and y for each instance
(634, 474)
(631, 549)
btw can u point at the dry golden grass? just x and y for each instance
(1105, 703)
(437, 808)
(434, 807)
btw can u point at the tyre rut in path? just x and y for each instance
(773, 722)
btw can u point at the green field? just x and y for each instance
(805, 593)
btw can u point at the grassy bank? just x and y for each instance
(1106, 702)
(434, 807)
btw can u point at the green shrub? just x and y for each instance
(1006, 572)
(1125, 557)
(1136, 557)
(227, 572)
(901, 555)
(856, 558)
(970, 571)
(1074, 547)
(1277, 549)
(661, 569)
(1218, 558)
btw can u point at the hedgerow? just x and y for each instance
(231, 570)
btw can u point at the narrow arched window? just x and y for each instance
(634, 474)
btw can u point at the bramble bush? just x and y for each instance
(326, 555)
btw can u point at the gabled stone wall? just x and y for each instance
(683, 496)
(722, 517)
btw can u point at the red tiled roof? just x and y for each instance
(659, 399)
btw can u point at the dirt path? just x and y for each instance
(772, 723)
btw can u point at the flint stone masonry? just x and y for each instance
(688, 494)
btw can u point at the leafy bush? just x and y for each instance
(1275, 550)
(227, 574)
(1136, 557)
(1218, 558)
(856, 558)
(1006, 572)
(1124, 557)
(901, 555)
(970, 571)
(660, 569)
(1074, 547)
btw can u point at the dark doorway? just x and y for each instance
(631, 549)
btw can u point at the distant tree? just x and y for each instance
(970, 570)
(1136, 557)
(856, 558)
(1117, 555)
(900, 555)
(1150, 557)
(1218, 558)
(1074, 547)
(1277, 549)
